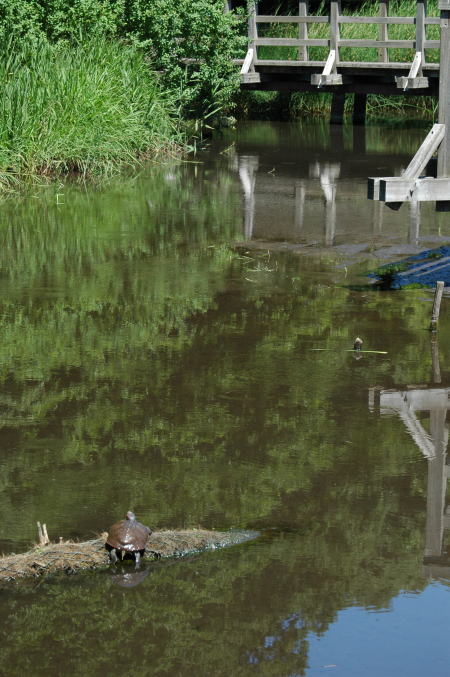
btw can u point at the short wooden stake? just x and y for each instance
(436, 305)
(42, 533)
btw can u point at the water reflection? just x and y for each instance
(411, 405)
(125, 578)
(144, 363)
(288, 200)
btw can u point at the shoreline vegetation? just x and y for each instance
(92, 86)
(80, 109)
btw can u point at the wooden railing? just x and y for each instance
(329, 75)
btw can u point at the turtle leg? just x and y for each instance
(137, 557)
(113, 555)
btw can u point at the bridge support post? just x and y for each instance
(337, 108)
(444, 93)
(252, 28)
(443, 170)
(359, 109)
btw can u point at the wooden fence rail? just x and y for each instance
(414, 79)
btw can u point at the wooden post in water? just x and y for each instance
(436, 305)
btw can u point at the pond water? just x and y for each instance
(147, 362)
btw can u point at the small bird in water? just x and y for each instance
(358, 343)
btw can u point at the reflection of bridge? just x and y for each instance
(382, 76)
(283, 206)
(408, 404)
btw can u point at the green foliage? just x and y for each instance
(170, 30)
(175, 30)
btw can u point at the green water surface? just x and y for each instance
(147, 363)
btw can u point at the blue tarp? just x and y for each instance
(423, 269)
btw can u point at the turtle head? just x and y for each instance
(131, 515)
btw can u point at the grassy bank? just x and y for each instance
(90, 86)
(82, 108)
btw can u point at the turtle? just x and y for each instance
(127, 536)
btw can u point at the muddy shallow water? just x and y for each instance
(149, 363)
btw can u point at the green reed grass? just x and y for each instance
(85, 108)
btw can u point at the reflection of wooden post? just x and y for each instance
(359, 139)
(437, 484)
(330, 218)
(435, 358)
(247, 169)
(378, 217)
(436, 305)
(328, 175)
(414, 221)
(299, 206)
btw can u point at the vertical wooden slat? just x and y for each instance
(383, 31)
(444, 95)
(421, 11)
(335, 7)
(303, 31)
(252, 30)
(252, 25)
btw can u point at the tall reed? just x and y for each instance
(84, 108)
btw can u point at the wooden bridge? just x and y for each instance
(423, 179)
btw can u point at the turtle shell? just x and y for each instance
(129, 535)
